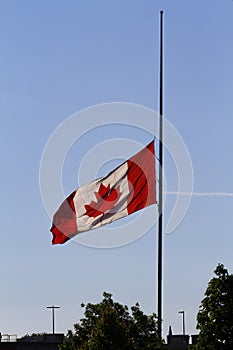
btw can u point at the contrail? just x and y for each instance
(200, 194)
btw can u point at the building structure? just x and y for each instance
(180, 341)
(45, 341)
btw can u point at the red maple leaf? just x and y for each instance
(106, 199)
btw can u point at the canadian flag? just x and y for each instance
(125, 190)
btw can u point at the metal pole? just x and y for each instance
(160, 204)
(53, 318)
(182, 312)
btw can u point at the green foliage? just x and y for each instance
(215, 316)
(146, 329)
(109, 326)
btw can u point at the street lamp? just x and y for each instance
(53, 307)
(182, 312)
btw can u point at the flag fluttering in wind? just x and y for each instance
(127, 189)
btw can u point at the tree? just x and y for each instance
(109, 326)
(215, 316)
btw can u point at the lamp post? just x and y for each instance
(182, 312)
(53, 307)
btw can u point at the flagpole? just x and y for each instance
(160, 204)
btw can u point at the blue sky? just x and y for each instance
(58, 57)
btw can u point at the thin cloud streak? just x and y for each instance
(200, 194)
